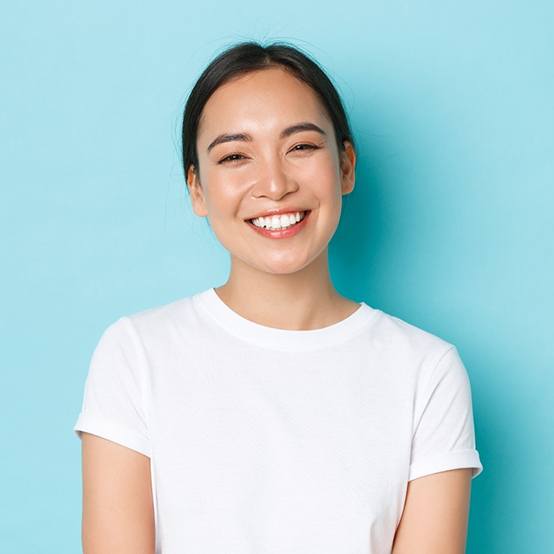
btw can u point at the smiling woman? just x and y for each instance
(264, 135)
(273, 414)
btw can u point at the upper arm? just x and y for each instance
(118, 514)
(118, 510)
(435, 515)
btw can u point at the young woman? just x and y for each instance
(272, 414)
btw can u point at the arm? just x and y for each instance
(435, 516)
(118, 514)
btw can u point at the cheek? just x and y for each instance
(322, 172)
(325, 189)
(326, 186)
(224, 193)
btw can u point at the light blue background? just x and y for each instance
(450, 226)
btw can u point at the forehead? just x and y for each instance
(266, 99)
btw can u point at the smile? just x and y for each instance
(278, 227)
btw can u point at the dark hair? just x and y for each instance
(249, 56)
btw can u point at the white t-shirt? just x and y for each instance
(266, 440)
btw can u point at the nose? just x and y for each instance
(274, 180)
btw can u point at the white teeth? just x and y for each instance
(279, 221)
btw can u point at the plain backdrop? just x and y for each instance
(450, 226)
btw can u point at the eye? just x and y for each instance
(309, 147)
(230, 157)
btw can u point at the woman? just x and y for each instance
(273, 414)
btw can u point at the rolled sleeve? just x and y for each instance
(113, 404)
(444, 433)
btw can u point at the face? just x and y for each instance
(269, 167)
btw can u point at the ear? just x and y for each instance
(197, 196)
(348, 168)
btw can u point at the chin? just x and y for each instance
(284, 268)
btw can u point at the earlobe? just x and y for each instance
(348, 165)
(196, 192)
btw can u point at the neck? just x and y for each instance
(304, 299)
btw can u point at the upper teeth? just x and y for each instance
(279, 221)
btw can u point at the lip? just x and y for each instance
(281, 233)
(278, 211)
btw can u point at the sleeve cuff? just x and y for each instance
(113, 432)
(443, 462)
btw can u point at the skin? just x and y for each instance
(283, 283)
(118, 513)
(435, 515)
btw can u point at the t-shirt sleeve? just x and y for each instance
(113, 405)
(443, 435)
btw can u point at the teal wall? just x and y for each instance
(450, 225)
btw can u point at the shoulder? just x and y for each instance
(150, 326)
(160, 319)
(405, 339)
(408, 354)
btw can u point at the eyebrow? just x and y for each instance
(296, 128)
